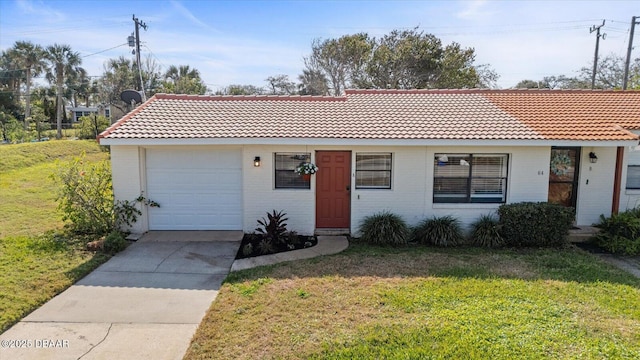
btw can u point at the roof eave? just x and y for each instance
(365, 142)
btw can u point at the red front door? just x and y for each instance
(333, 189)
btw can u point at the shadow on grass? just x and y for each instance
(569, 264)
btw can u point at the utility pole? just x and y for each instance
(139, 24)
(625, 80)
(595, 58)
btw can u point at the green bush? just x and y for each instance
(439, 231)
(620, 233)
(85, 196)
(535, 224)
(486, 232)
(384, 228)
(114, 243)
(91, 126)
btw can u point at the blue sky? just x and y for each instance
(244, 42)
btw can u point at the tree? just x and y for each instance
(240, 90)
(183, 80)
(64, 63)
(119, 75)
(312, 82)
(30, 59)
(404, 59)
(610, 73)
(280, 85)
(342, 61)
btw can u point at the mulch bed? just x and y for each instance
(303, 242)
(591, 247)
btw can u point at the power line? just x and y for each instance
(105, 50)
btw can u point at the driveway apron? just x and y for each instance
(144, 303)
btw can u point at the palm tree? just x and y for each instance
(29, 57)
(64, 63)
(183, 80)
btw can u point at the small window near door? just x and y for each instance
(470, 178)
(633, 170)
(373, 171)
(286, 177)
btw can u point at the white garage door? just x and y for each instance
(196, 189)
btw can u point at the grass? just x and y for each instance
(37, 261)
(27, 199)
(413, 303)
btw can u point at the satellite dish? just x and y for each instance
(131, 97)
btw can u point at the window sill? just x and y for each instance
(466, 205)
(632, 191)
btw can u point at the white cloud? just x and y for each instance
(41, 11)
(474, 9)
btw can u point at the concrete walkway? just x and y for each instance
(144, 303)
(327, 245)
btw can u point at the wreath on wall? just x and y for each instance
(560, 164)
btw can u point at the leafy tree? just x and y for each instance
(10, 76)
(91, 126)
(240, 90)
(342, 61)
(280, 85)
(65, 63)
(529, 84)
(183, 80)
(399, 60)
(610, 73)
(119, 75)
(312, 82)
(29, 58)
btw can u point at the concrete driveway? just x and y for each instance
(144, 303)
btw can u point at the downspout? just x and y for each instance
(617, 181)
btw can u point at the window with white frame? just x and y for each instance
(373, 170)
(286, 177)
(633, 169)
(470, 178)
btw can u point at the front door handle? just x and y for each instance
(348, 188)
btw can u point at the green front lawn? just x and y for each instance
(35, 262)
(419, 303)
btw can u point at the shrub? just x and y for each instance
(620, 233)
(275, 227)
(91, 126)
(486, 232)
(265, 246)
(535, 224)
(85, 198)
(85, 195)
(384, 228)
(247, 250)
(439, 231)
(114, 243)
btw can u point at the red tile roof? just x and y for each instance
(390, 114)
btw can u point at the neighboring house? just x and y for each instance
(417, 153)
(80, 111)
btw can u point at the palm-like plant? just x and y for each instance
(183, 80)
(29, 58)
(64, 63)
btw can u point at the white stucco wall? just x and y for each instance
(127, 168)
(261, 196)
(629, 198)
(412, 182)
(595, 189)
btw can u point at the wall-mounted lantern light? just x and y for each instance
(256, 161)
(593, 158)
